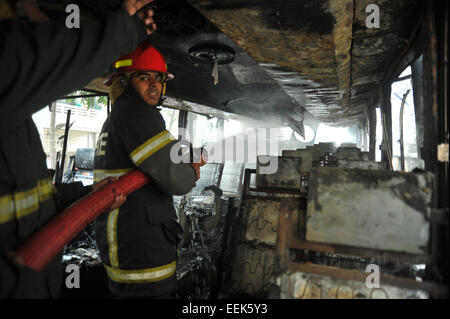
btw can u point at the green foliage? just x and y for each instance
(96, 102)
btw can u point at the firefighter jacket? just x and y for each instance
(41, 62)
(137, 242)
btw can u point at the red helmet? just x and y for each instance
(144, 58)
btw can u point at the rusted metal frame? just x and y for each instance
(275, 190)
(372, 129)
(426, 111)
(386, 118)
(445, 92)
(433, 108)
(265, 196)
(285, 229)
(430, 134)
(282, 248)
(417, 86)
(435, 289)
(445, 82)
(358, 251)
(246, 184)
(429, 92)
(439, 67)
(445, 188)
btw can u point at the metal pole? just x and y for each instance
(402, 144)
(182, 123)
(66, 137)
(108, 105)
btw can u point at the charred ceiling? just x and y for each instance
(336, 61)
(281, 61)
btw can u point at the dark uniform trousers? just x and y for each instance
(138, 241)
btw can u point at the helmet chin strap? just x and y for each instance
(124, 80)
(162, 97)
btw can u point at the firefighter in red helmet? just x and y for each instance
(138, 242)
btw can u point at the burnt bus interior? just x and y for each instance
(357, 115)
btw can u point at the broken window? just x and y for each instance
(87, 117)
(171, 118)
(336, 135)
(404, 142)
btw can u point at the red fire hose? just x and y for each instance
(48, 241)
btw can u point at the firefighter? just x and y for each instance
(41, 62)
(138, 241)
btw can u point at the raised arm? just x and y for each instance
(43, 61)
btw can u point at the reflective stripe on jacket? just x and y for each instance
(31, 79)
(20, 204)
(137, 242)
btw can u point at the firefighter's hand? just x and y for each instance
(145, 14)
(119, 200)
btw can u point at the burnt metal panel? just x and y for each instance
(306, 155)
(369, 208)
(306, 280)
(360, 164)
(327, 44)
(287, 175)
